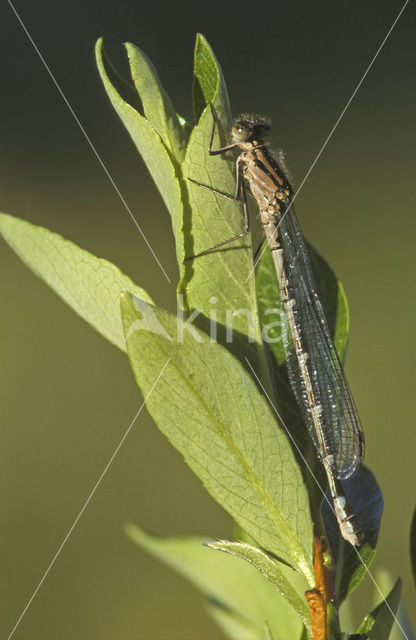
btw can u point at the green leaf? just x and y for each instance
(150, 146)
(209, 84)
(211, 411)
(157, 105)
(413, 546)
(378, 624)
(238, 596)
(90, 285)
(269, 568)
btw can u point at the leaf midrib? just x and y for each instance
(266, 499)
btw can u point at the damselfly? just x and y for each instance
(315, 372)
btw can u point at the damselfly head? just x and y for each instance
(247, 128)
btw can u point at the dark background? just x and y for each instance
(67, 396)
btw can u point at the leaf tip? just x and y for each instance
(201, 44)
(129, 46)
(100, 55)
(129, 529)
(99, 44)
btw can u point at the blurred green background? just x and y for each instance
(67, 396)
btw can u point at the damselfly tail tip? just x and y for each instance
(348, 523)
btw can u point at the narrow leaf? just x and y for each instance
(269, 568)
(211, 411)
(157, 105)
(234, 589)
(150, 146)
(209, 84)
(378, 624)
(90, 285)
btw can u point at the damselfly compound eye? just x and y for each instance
(261, 129)
(240, 131)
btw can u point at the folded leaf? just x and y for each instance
(238, 596)
(157, 105)
(270, 569)
(150, 146)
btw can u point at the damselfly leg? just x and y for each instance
(239, 196)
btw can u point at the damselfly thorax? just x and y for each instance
(268, 185)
